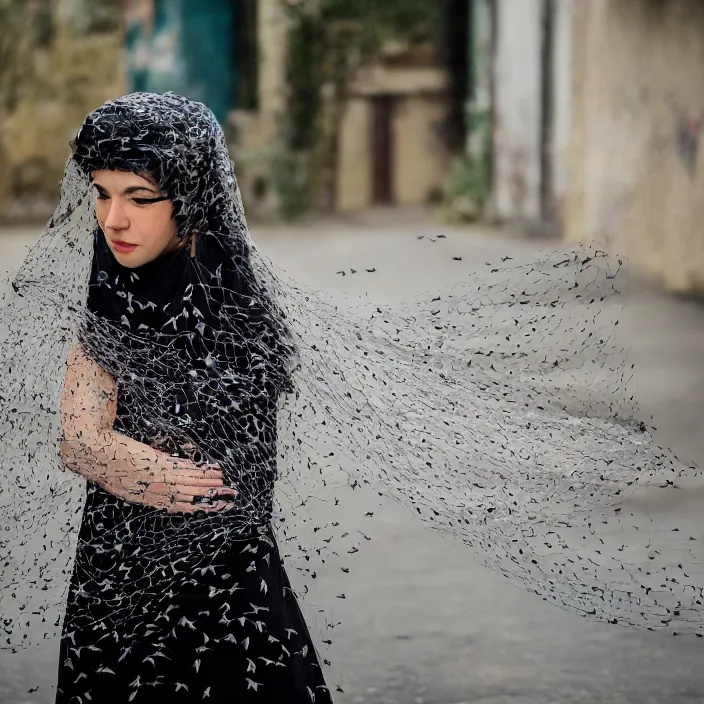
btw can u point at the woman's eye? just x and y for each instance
(102, 196)
(145, 201)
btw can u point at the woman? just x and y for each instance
(497, 410)
(169, 405)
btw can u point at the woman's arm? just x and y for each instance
(124, 467)
(88, 408)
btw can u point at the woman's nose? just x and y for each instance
(117, 217)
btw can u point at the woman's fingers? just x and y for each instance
(163, 496)
(194, 482)
(189, 469)
(193, 478)
(186, 493)
(185, 507)
(179, 498)
(226, 491)
(180, 465)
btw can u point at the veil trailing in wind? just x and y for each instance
(497, 410)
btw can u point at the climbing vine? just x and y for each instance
(328, 41)
(22, 29)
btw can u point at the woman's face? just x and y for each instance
(135, 216)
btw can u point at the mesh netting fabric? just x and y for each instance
(499, 411)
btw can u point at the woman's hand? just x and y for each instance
(173, 483)
(124, 467)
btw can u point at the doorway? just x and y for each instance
(382, 149)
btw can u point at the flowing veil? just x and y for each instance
(498, 410)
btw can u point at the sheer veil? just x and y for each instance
(499, 410)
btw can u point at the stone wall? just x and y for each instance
(517, 111)
(636, 167)
(420, 158)
(73, 66)
(560, 134)
(77, 62)
(256, 146)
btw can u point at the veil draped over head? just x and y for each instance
(497, 410)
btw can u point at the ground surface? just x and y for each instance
(422, 624)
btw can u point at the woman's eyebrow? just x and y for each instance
(135, 189)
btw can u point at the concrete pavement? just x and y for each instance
(422, 624)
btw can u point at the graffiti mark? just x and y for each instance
(689, 129)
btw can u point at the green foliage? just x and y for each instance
(376, 21)
(102, 17)
(467, 189)
(17, 41)
(328, 40)
(289, 178)
(26, 27)
(305, 75)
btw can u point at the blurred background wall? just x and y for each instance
(638, 104)
(57, 61)
(577, 118)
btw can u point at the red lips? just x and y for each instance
(123, 247)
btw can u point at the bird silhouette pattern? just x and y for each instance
(499, 410)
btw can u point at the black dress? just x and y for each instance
(183, 607)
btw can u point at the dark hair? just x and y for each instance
(118, 144)
(159, 142)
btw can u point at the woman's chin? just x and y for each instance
(131, 260)
(136, 258)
